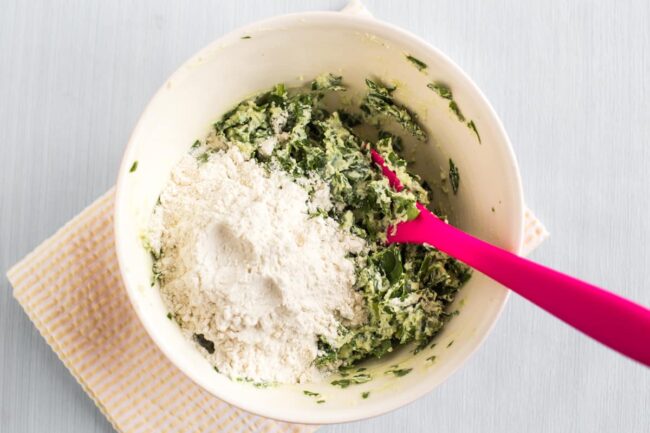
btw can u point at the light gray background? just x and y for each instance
(570, 80)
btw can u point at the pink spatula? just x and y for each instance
(614, 321)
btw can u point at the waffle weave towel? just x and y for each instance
(70, 287)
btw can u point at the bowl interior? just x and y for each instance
(292, 49)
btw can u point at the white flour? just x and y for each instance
(246, 266)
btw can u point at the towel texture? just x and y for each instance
(70, 287)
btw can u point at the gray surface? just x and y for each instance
(568, 78)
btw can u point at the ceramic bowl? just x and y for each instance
(292, 49)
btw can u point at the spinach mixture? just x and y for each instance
(406, 288)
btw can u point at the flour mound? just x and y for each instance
(245, 265)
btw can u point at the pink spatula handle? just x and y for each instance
(614, 321)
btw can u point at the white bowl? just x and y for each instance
(285, 49)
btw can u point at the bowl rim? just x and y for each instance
(362, 23)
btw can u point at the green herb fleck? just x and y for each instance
(169, 316)
(417, 62)
(134, 167)
(204, 343)
(196, 144)
(354, 380)
(493, 210)
(343, 383)
(471, 125)
(203, 158)
(328, 82)
(310, 393)
(450, 343)
(454, 176)
(320, 401)
(431, 359)
(400, 372)
(441, 89)
(361, 378)
(454, 107)
(216, 369)
(156, 274)
(445, 92)
(244, 379)
(246, 37)
(365, 395)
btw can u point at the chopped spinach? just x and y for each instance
(350, 120)
(343, 383)
(328, 82)
(400, 372)
(354, 380)
(204, 343)
(379, 102)
(453, 106)
(417, 62)
(445, 92)
(454, 176)
(311, 393)
(441, 89)
(406, 288)
(471, 125)
(134, 167)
